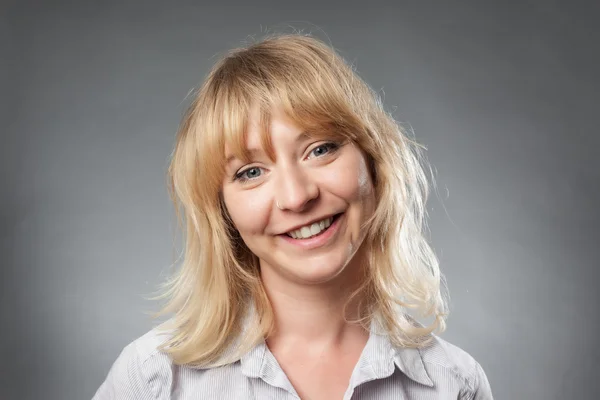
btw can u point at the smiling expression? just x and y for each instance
(316, 186)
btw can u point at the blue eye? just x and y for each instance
(324, 149)
(247, 174)
(252, 173)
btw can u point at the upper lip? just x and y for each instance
(312, 221)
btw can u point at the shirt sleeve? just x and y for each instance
(481, 389)
(126, 379)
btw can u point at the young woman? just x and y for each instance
(304, 206)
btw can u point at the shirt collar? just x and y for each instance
(261, 363)
(380, 357)
(378, 360)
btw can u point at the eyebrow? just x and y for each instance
(254, 151)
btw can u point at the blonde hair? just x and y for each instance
(219, 276)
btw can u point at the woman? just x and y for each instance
(304, 204)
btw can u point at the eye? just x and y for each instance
(248, 174)
(324, 148)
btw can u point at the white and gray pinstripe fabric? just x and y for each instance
(440, 371)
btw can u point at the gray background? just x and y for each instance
(503, 94)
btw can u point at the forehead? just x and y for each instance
(262, 127)
(259, 131)
(250, 131)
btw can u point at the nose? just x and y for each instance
(295, 189)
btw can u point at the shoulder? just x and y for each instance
(140, 371)
(146, 348)
(444, 360)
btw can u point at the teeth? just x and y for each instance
(305, 232)
(311, 230)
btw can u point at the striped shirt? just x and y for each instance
(438, 371)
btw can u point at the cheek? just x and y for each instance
(353, 180)
(248, 212)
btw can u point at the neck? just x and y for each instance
(316, 315)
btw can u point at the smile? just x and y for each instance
(314, 235)
(311, 230)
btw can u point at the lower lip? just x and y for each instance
(316, 241)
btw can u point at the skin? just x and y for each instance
(313, 343)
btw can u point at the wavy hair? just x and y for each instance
(219, 276)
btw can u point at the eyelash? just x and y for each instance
(331, 146)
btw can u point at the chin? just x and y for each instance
(317, 270)
(314, 266)
(316, 276)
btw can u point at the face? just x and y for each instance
(301, 215)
